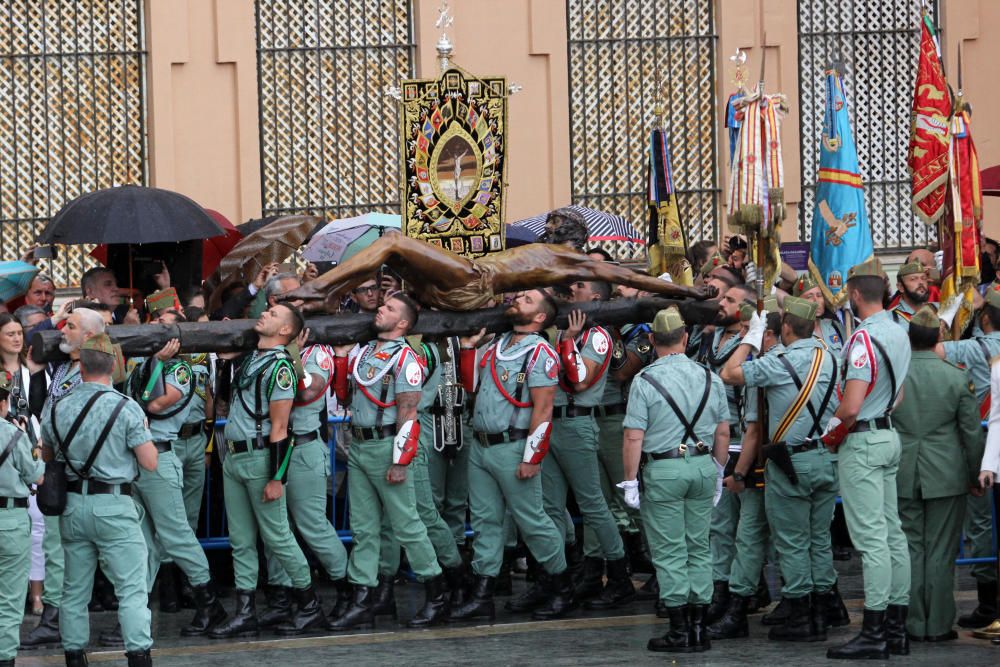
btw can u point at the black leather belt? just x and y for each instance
(806, 446)
(188, 430)
(876, 424)
(734, 432)
(95, 487)
(366, 433)
(678, 452)
(303, 438)
(8, 503)
(562, 411)
(488, 439)
(608, 410)
(244, 446)
(163, 446)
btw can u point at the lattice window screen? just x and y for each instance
(618, 50)
(328, 131)
(879, 40)
(71, 113)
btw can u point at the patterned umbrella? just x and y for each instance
(14, 279)
(343, 238)
(602, 226)
(273, 243)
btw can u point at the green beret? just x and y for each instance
(910, 269)
(771, 304)
(6, 382)
(804, 283)
(118, 374)
(803, 308)
(713, 262)
(99, 343)
(668, 320)
(873, 267)
(162, 300)
(993, 295)
(926, 317)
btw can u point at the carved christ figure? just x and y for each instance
(458, 173)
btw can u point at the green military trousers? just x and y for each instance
(306, 493)
(164, 524)
(799, 516)
(493, 490)
(979, 532)
(244, 476)
(676, 510)
(725, 519)
(450, 484)
(55, 563)
(104, 528)
(15, 561)
(611, 470)
(191, 454)
(572, 464)
(933, 528)
(751, 543)
(867, 467)
(372, 498)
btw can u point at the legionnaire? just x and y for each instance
(677, 420)
(828, 328)
(81, 324)
(101, 435)
(800, 474)
(877, 360)
(512, 420)
(308, 476)
(18, 470)
(387, 379)
(976, 355)
(255, 469)
(585, 353)
(911, 281)
(942, 446)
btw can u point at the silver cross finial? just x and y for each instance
(445, 19)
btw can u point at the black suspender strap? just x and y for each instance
(75, 426)
(520, 380)
(892, 374)
(689, 433)
(816, 418)
(817, 430)
(10, 447)
(986, 351)
(380, 408)
(88, 464)
(65, 443)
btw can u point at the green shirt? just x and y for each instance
(115, 463)
(276, 384)
(176, 374)
(901, 314)
(378, 376)
(307, 417)
(832, 334)
(969, 353)
(594, 344)
(864, 362)
(715, 360)
(498, 380)
(684, 380)
(201, 380)
(633, 340)
(20, 470)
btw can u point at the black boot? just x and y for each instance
(436, 607)
(720, 601)
(761, 597)
(167, 588)
(504, 585)
(7, 663)
(799, 625)
(649, 590)
(733, 624)
(574, 562)
(834, 611)
(869, 644)
(384, 600)
(76, 659)
(480, 602)
(638, 555)
(112, 638)
(619, 589)
(560, 600)
(186, 595)
(359, 615)
(455, 576)
(985, 611)
(344, 594)
(699, 631)
(139, 658)
(778, 615)
(678, 637)
(209, 612)
(662, 610)
(591, 579)
(279, 607)
(895, 629)
(46, 633)
(533, 598)
(244, 620)
(308, 614)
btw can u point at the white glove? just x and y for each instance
(631, 489)
(755, 330)
(665, 277)
(947, 313)
(939, 260)
(750, 271)
(830, 425)
(720, 469)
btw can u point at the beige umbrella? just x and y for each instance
(275, 242)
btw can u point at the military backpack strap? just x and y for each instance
(10, 446)
(689, 433)
(89, 463)
(892, 375)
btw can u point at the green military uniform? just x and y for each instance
(189, 446)
(572, 460)
(379, 376)
(247, 468)
(868, 461)
(308, 477)
(831, 334)
(677, 492)
(509, 371)
(18, 470)
(942, 446)
(101, 522)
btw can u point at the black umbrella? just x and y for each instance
(130, 214)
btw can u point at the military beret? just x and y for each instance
(668, 320)
(926, 317)
(872, 267)
(910, 269)
(162, 300)
(803, 284)
(771, 304)
(803, 308)
(6, 382)
(99, 343)
(746, 311)
(993, 295)
(713, 262)
(118, 374)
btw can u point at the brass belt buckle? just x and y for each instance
(483, 438)
(231, 446)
